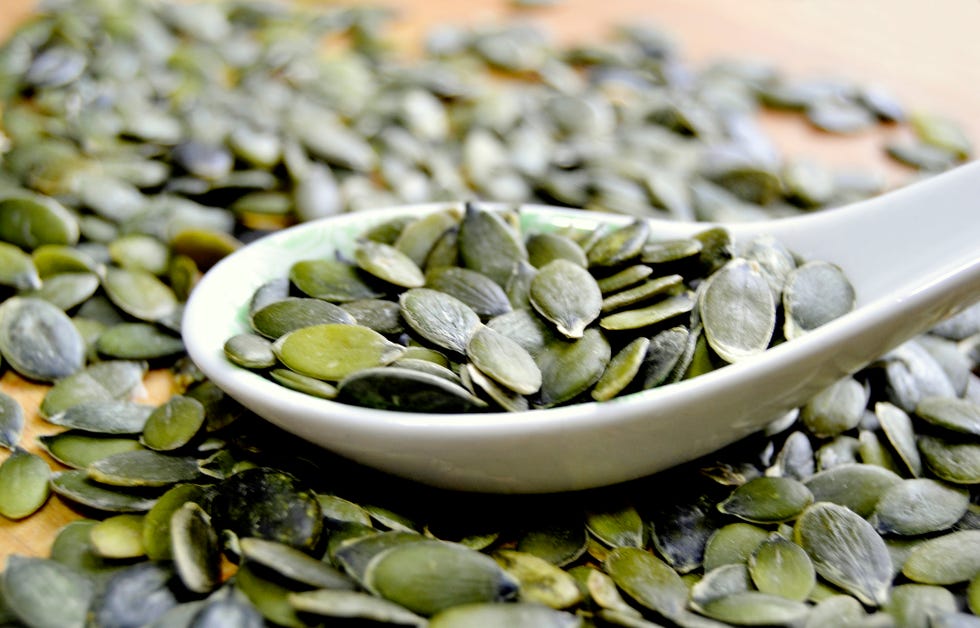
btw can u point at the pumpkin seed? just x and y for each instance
(269, 597)
(951, 413)
(918, 507)
(543, 248)
(518, 615)
(18, 271)
(504, 361)
(38, 340)
(815, 294)
(78, 487)
(566, 294)
(396, 388)
(281, 317)
(917, 604)
(102, 381)
(79, 448)
(569, 368)
(333, 351)
(104, 417)
(138, 341)
(647, 580)
(388, 264)
(857, 487)
(304, 383)
(119, 536)
(951, 461)
(945, 559)
(539, 581)
(136, 595)
(720, 582)
(781, 567)
(439, 318)
(11, 421)
(629, 276)
(898, 428)
(353, 605)
(846, 551)
(143, 467)
(194, 544)
(174, 424)
(157, 539)
(28, 583)
(732, 544)
(768, 500)
(66, 290)
(737, 311)
(23, 484)
(487, 244)
(331, 280)
(753, 608)
(476, 290)
(139, 293)
(661, 311)
(430, 576)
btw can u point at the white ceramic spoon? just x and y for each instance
(913, 257)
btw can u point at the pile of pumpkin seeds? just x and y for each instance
(460, 311)
(143, 141)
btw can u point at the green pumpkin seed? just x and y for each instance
(768, 500)
(661, 311)
(846, 551)
(947, 559)
(834, 609)
(52, 260)
(951, 413)
(104, 417)
(629, 276)
(79, 448)
(119, 536)
(474, 289)
(732, 544)
(334, 351)
(898, 428)
(753, 608)
(569, 368)
(354, 555)
(281, 317)
(66, 290)
(11, 421)
(417, 238)
(942, 132)
(134, 596)
(143, 467)
(680, 529)
(18, 270)
(157, 539)
(173, 424)
(918, 507)
(518, 615)
(304, 383)
(835, 409)
(504, 361)
(951, 461)
(524, 327)
(439, 318)
(78, 487)
(855, 486)
(916, 604)
(195, 548)
(138, 341)
(72, 546)
(353, 605)
(294, 564)
(268, 596)
(395, 388)
(23, 484)
(619, 246)
(250, 351)
(507, 399)
(558, 543)
(539, 581)
(29, 583)
(781, 567)
(140, 252)
(814, 294)
(268, 504)
(388, 264)
(543, 248)
(567, 295)
(331, 280)
(430, 576)
(621, 370)
(38, 340)
(489, 245)
(737, 311)
(642, 292)
(233, 610)
(647, 580)
(32, 221)
(139, 294)
(721, 582)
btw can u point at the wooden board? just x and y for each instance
(927, 53)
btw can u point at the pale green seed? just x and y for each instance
(294, 564)
(331, 280)
(917, 604)
(661, 311)
(157, 540)
(951, 461)
(898, 428)
(440, 318)
(195, 548)
(11, 421)
(951, 413)
(488, 244)
(781, 567)
(76, 486)
(835, 409)
(737, 311)
(334, 351)
(947, 559)
(38, 340)
(815, 293)
(504, 361)
(143, 467)
(629, 276)
(277, 319)
(619, 246)
(543, 248)
(388, 264)
(518, 615)
(846, 551)
(647, 580)
(353, 605)
(79, 448)
(474, 289)
(754, 608)
(539, 580)
(119, 536)
(138, 341)
(732, 544)
(768, 500)
(104, 417)
(30, 585)
(30, 221)
(567, 295)
(173, 424)
(66, 291)
(621, 370)
(250, 351)
(139, 294)
(304, 383)
(569, 368)
(856, 486)
(17, 269)
(919, 506)
(24, 484)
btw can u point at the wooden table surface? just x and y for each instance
(926, 53)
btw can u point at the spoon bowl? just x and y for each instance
(913, 257)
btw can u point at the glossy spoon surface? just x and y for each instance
(913, 256)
